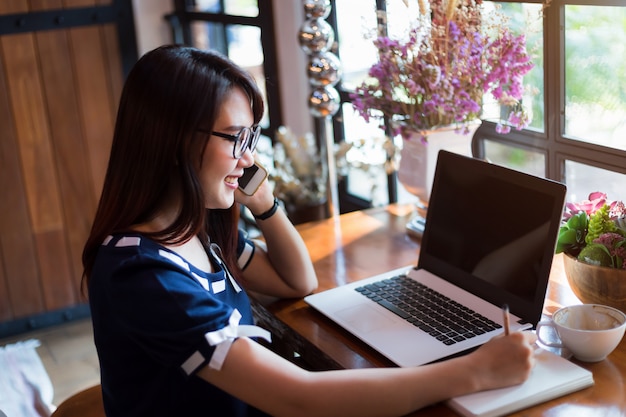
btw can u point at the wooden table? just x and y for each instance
(361, 244)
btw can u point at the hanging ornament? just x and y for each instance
(315, 36)
(324, 69)
(317, 8)
(324, 101)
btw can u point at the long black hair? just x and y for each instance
(156, 151)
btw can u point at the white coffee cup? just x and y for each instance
(589, 331)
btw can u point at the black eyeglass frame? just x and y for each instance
(240, 139)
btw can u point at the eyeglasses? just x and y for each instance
(247, 138)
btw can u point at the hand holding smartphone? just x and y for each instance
(252, 178)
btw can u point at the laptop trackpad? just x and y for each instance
(364, 318)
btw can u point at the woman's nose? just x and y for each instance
(247, 158)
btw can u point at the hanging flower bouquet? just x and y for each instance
(455, 53)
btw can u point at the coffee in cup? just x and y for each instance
(589, 331)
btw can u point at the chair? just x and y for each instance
(87, 403)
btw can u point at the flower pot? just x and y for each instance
(596, 284)
(418, 159)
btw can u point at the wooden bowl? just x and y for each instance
(596, 284)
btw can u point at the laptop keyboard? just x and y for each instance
(439, 316)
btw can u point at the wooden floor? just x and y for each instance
(68, 354)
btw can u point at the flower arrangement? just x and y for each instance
(454, 54)
(594, 231)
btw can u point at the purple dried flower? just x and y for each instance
(609, 240)
(439, 74)
(503, 129)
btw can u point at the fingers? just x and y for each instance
(520, 343)
(259, 201)
(522, 358)
(506, 360)
(526, 354)
(530, 337)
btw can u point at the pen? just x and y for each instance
(507, 319)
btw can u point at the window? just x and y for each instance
(242, 30)
(578, 102)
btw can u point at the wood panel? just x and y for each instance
(18, 251)
(13, 6)
(95, 99)
(40, 5)
(58, 97)
(5, 308)
(114, 62)
(38, 167)
(69, 146)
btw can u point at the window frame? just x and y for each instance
(552, 143)
(182, 18)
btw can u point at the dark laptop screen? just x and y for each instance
(492, 230)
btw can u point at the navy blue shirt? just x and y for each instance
(154, 317)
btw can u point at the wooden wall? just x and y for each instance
(59, 90)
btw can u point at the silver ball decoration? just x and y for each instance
(324, 69)
(315, 36)
(324, 101)
(317, 8)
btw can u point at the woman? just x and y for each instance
(167, 269)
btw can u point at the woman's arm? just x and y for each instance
(265, 380)
(281, 265)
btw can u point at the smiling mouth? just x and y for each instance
(231, 180)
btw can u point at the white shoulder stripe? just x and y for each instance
(218, 286)
(203, 281)
(128, 241)
(174, 258)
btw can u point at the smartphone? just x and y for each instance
(252, 178)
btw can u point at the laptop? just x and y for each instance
(488, 241)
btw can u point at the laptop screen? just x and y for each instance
(492, 231)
